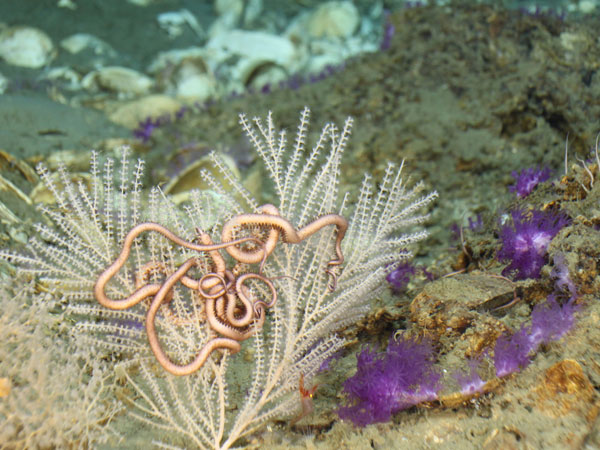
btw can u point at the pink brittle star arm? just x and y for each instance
(217, 320)
(270, 217)
(149, 289)
(163, 359)
(221, 310)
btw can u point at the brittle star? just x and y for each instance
(270, 217)
(220, 312)
(230, 310)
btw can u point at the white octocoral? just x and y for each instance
(300, 330)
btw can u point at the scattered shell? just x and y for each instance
(587, 6)
(71, 79)
(165, 61)
(7, 185)
(173, 22)
(7, 216)
(223, 7)
(18, 235)
(185, 74)
(257, 73)
(118, 79)
(9, 161)
(130, 114)
(565, 388)
(73, 160)
(26, 47)
(197, 86)
(189, 178)
(41, 194)
(254, 45)
(253, 9)
(82, 41)
(448, 306)
(193, 80)
(333, 19)
(69, 4)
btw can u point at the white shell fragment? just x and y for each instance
(118, 79)
(70, 79)
(253, 45)
(174, 22)
(82, 41)
(194, 81)
(26, 47)
(179, 186)
(333, 19)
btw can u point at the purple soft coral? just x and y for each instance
(470, 382)
(561, 273)
(528, 179)
(400, 276)
(526, 241)
(388, 382)
(550, 321)
(511, 352)
(145, 129)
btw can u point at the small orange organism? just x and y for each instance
(306, 396)
(5, 387)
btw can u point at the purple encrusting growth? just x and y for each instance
(388, 32)
(390, 381)
(511, 353)
(524, 243)
(400, 276)
(146, 128)
(550, 321)
(476, 224)
(528, 179)
(561, 273)
(470, 382)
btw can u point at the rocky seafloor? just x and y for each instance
(466, 95)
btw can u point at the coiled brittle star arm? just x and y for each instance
(269, 217)
(230, 309)
(220, 312)
(149, 289)
(163, 359)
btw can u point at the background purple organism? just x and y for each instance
(145, 129)
(528, 179)
(561, 273)
(550, 321)
(400, 276)
(388, 32)
(525, 241)
(390, 381)
(470, 382)
(511, 352)
(476, 224)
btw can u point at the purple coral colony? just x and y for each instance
(406, 373)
